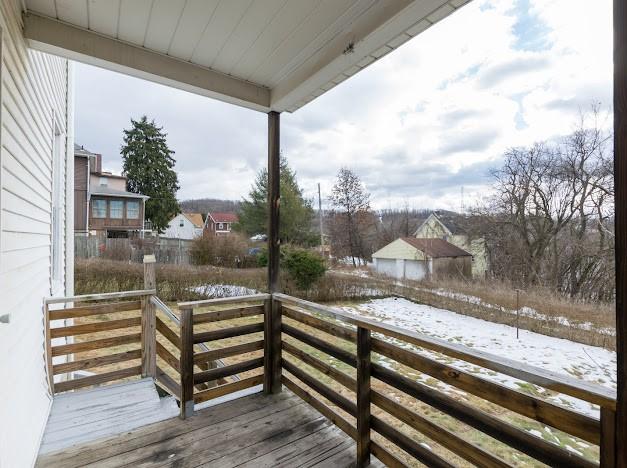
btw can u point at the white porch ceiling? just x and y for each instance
(262, 54)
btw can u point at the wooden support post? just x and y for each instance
(187, 363)
(149, 322)
(274, 199)
(363, 396)
(620, 203)
(272, 347)
(607, 450)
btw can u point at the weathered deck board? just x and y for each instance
(254, 431)
(85, 416)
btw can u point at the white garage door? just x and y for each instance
(386, 266)
(415, 269)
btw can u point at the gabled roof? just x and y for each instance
(195, 219)
(436, 248)
(109, 192)
(452, 222)
(223, 217)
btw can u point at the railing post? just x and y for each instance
(363, 396)
(187, 363)
(607, 450)
(272, 346)
(149, 321)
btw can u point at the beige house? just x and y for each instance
(453, 228)
(418, 259)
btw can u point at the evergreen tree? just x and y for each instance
(149, 167)
(296, 211)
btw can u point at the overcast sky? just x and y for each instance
(416, 126)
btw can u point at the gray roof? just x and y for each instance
(436, 248)
(100, 190)
(80, 151)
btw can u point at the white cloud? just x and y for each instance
(416, 126)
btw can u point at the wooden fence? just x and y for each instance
(172, 251)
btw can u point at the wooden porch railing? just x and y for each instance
(175, 353)
(369, 337)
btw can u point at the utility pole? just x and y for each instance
(320, 216)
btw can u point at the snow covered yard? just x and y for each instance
(212, 291)
(585, 362)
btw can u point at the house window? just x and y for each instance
(99, 208)
(104, 181)
(116, 209)
(182, 223)
(132, 210)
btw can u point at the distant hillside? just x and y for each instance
(204, 205)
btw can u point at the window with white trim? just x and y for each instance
(99, 208)
(132, 210)
(116, 209)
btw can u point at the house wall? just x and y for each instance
(81, 169)
(451, 267)
(115, 183)
(187, 231)
(399, 249)
(35, 99)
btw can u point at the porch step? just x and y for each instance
(88, 415)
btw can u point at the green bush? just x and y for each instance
(304, 267)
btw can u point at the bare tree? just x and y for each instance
(352, 204)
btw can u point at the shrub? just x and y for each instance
(304, 267)
(226, 251)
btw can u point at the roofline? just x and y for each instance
(449, 232)
(123, 195)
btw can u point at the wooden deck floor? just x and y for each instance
(88, 415)
(253, 431)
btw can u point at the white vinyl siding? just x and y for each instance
(34, 95)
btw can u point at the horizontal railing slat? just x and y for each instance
(168, 382)
(224, 333)
(229, 351)
(534, 446)
(226, 371)
(319, 344)
(168, 357)
(329, 413)
(327, 392)
(322, 325)
(95, 344)
(224, 300)
(90, 363)
(97, 379)
(409, 445)
(100, 297)
(168, 333)
(439, 434)
(339, 376)
(95, 309)
(226, 389)
(229, 314)
(563, 419)
(95, 327)
(560, 383)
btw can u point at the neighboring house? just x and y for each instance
(102, 206)
(36, 227)
(454, 228)
(185, 226)
(220, 224)
(417, 259)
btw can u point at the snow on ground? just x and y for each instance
(222, 290)
(589, 363)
